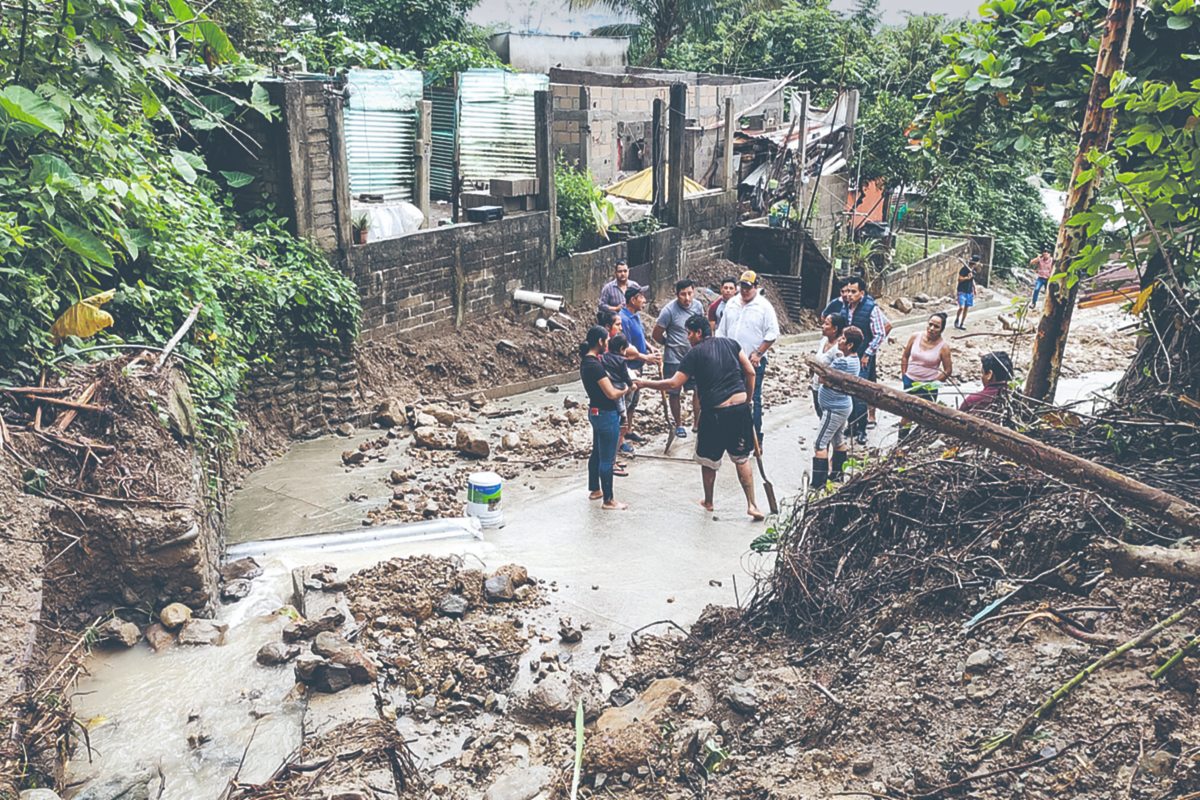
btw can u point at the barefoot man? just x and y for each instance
(725, 382)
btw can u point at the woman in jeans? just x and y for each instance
(925, 362)
(604, 416)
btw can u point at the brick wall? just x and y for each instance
(438, 276)
(935, 276)
(621, 110)
(297, 160)
(708, 222)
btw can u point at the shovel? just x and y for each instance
(667, 416)
(768, 487)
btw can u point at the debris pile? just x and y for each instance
(448, 639)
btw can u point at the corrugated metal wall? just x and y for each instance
(381, 132)
(496, 122)
(444, 121)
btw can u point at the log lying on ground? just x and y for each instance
(1069, 468)
(1147, 561)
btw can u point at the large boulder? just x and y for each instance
(443, 415)
(273, 654)
(331, 620)
(174, 615)
(158, 637)
(626, 736)
(432, 438)
(902, 304)
(471, 442)
(203, 632)
(331, 678)
(499, 589)
(390, 414)
(243, 568)
(118, 633)
(338, 651)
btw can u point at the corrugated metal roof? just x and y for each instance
(497, 124)
(444, 121)
(380, 119)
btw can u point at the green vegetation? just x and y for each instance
(910, 247)
(403, 25)
(584, 212)
(100, 190)
(336, 52)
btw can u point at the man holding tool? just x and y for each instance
(724, 380)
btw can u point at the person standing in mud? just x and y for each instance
(671, 333)
(612, 296)
(640, 352)
(603, 415)
(724, 380)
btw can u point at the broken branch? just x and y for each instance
(1150, 561)
(1067, 467)
(64, 422)
(54, 401)
(177, 338)
(1112, 655)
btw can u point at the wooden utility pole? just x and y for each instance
(1096, 135)
(547, 198)
(676, 136)
(800, 163)
(1067, 467)
(658, 159)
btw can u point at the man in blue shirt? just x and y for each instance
(631, 325)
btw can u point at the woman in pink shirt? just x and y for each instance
(1045, 266)
(925, 362)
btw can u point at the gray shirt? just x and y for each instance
(672, 319)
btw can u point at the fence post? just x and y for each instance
(424, 150)
(676, 132)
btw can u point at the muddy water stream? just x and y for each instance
(664, 558)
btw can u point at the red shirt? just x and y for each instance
(1045, 266)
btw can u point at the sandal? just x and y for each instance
(871, 425)
(619, 471)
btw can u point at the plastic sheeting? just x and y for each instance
(381, 132)
(639, 187)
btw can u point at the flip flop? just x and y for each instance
(620, 472)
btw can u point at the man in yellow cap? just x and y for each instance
(750, 319)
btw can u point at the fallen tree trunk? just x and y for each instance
(1147, 561)
(1065, 466)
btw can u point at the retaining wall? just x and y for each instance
(935, 276)
(653, 263)
(708, 222)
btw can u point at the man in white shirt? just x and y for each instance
(750, 319)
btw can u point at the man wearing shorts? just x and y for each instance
(725, 381)
(669, 331)
(966, 292)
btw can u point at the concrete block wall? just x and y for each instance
(621, 111)
(431, 278)
(653, 262)
(297, 160)
(708, 222)
(936, 276)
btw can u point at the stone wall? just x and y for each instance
(936, 276)
(304, 392)
(439, 276)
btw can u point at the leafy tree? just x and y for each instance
(410, 26)
(660, 22)
(98, 190)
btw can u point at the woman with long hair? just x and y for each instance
(926, 362)
(603, 416)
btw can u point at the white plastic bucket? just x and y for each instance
(483, 499)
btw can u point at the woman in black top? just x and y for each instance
(604, 416)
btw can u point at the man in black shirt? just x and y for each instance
(725, 382)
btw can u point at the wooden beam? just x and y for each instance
(1067, 467)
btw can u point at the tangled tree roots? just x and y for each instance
(936, 519)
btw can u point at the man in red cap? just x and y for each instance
(750, 319)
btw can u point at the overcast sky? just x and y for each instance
(554, 16)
